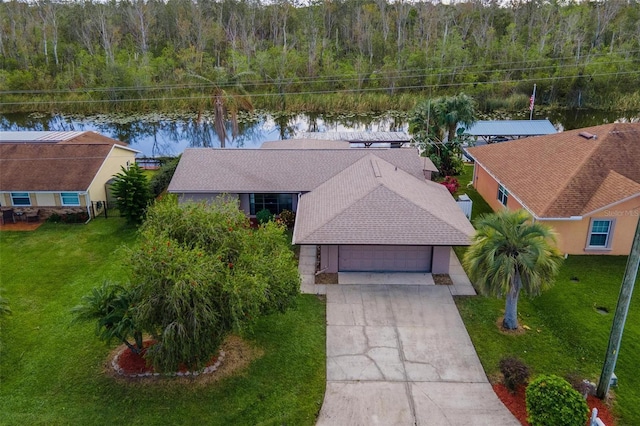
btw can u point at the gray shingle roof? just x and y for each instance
(375, 202)
(208, 170)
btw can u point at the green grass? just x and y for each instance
(567, 334)
(480, 206)
(51, 370)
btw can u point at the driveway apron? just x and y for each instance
(400, 355)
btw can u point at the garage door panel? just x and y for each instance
(385, 258)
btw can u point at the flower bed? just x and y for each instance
(129, 364)
(518, 407)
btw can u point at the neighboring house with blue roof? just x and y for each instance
(491, 131)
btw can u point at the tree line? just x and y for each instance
(176, 53)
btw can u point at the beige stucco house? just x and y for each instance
(366, 209)
(585, 183)
(58, 171)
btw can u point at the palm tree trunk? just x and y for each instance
(510, 321)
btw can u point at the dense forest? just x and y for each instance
(317, 54)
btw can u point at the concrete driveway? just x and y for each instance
(400, 355)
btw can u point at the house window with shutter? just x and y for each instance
(600, 233)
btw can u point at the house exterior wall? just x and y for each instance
(118, 157)
(573, 234)
(329, 258)
(487, 186)
(440, 262)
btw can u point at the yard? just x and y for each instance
(51, 371)
(568, 329)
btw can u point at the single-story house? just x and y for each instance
(585, 183)
(58, 172)
(367, 209)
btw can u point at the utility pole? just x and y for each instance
(626, 290)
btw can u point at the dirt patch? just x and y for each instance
(520, 330)
(327, 278)
(442, 279)
(238, 354)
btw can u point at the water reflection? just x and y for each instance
(169, 134)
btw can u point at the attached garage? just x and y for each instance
(384, 258)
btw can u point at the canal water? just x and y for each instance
(157, 134)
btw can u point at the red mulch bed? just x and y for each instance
(132, 363)
(516, 404)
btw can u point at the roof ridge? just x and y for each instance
(587, 158)
(365, 193)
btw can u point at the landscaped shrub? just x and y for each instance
(451, 184)
(514, 371)
(551, 401)
(288, 218)
(264, 216)
(54, 218)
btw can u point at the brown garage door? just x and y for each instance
(385, 258)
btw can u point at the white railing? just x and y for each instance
(595, 420)
(465, 203)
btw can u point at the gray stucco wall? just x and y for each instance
(440, 262)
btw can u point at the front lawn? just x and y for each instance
(567, 332)
(51, 372)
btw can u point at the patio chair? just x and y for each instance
(33, 216)
(8, 215)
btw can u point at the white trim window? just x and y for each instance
(70, 198)
(503, 195)
(20, 199)
(600, 231)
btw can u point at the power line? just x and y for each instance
(318, 92)
(344, 78)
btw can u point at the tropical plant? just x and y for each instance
(131, 190)
(510, 253)
(433, 124)
(110, 307)
(451, 184)
(229, 97)
(552, 401)
(264, 216)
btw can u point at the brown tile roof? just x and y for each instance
(375, 202)
(49, 167)
(207, 170)
(52, 161)
(566, 174)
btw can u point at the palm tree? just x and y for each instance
(227, 103)
(110, 306)
(454, 110)
(510, 253)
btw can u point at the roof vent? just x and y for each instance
(588, 135)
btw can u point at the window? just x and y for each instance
(503, 195)
(20, 199)
(600, 233)
(275, 203)
(70, 198)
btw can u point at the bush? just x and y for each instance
(451, 184)
(288, 218)
(514, 371)
(264, 216)
(160, 181)
(551, 401)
